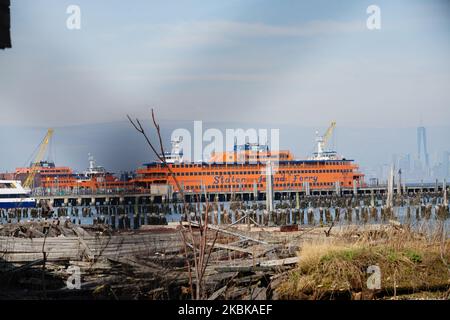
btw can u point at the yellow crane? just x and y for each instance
(322, 141)
(328, 133)
(40, 154)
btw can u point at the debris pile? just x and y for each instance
(51, 228)
(149, 263)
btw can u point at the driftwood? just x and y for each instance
(233, 248)
(236, 234)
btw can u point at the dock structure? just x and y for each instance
(307, 191)
(157, 193)
(166, 193)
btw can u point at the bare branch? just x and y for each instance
(201, 259)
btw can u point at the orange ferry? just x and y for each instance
(95, 177)
(244, 170)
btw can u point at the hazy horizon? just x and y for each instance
(118, 147)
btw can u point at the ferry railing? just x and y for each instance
(87, 192)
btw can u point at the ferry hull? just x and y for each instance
(17, 204)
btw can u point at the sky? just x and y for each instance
(287, 64)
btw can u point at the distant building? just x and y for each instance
(446, 163)
(441, 169)
(422, 153)
(7, 176)
(404, 162)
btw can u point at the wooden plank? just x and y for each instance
(279, 262)
(228, 247)
(236, 234)
(28, 257)
(218, 293)
(259, 266)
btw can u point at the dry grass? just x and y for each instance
(337, 268)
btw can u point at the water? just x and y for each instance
(132, 216)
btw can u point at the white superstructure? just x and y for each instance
(13, 195)
(176, 154)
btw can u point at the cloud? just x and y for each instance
(226, 32)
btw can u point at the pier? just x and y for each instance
(160, 205)
(166, 193)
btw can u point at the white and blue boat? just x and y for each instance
(13, 195)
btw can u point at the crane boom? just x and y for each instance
(322, 153)
(40, 154)
(329, 132)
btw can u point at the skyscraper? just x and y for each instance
(446, 163)
(422, 153)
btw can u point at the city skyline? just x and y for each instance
(112, 143)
